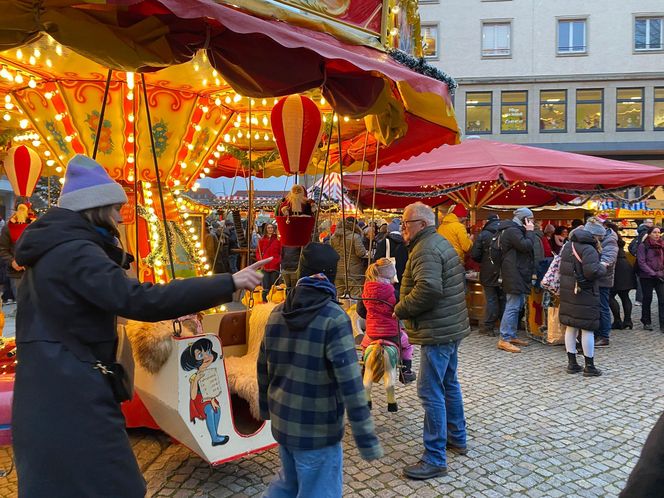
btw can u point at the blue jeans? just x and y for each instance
(510, 322)
(495, 304)
(308, 473)
(439, 390)
(604, 313)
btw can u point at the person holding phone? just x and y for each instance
(517, 266)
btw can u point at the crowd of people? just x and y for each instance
(308, 374)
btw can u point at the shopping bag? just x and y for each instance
(555, 333)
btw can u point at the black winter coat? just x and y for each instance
(481, 253)
(518, 265)
(625, 277)
(69, 433)
(580, 310)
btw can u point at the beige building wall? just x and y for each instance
(610, 62)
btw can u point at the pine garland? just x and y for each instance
(258, 163)
(421, 66)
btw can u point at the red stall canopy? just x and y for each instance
(482, 172)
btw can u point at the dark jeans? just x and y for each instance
(604, 313)
(494, 307)
(269, 278)
(648, 285)
(626, 304)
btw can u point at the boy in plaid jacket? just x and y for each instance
(308, 375)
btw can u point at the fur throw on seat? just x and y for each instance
(151, 342)
(241, 370)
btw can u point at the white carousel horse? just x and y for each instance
(381, 360)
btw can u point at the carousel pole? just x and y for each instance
(373, 205)
(327, 159)
(250, 210)
(136, 234)
(101, 114)
(159, 188)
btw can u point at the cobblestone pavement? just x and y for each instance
(534, 431)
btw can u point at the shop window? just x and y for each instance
(648, 33)
(514, 112)
(553, 111)
(572, 36)
(430, 40)
(496, 39)
(629, 109)
(478, 113)
(658, 114)
(589, 110)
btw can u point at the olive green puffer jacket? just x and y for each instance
(433, 298)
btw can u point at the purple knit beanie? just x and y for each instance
(87, 185)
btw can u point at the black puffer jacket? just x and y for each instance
(518, 263)
(625, 278)
(433, 301)
(581, 309)
(481, 253)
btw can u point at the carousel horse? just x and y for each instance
(381, 359)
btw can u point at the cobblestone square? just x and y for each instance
(534, 431)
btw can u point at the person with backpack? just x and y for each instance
(482, 253)
(651, 274)
(580, 273)
(515, 243)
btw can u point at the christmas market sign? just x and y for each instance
(23, 167)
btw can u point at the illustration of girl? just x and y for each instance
(199, 356)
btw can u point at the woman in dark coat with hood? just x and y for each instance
(624, 281)
(580, 269)
(68, 431)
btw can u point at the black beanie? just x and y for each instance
(318, 258)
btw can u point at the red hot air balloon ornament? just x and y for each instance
(297, 125)
(23, 167)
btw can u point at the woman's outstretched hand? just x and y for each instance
(248, 278)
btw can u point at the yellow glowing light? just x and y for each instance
(58, 117)
(130, 118)
(130, 80)
(32, 83)
(183, 165)
(18, 78)
(58, 49)
(48, 95)
(130, 159)
(217, 101)
(47, 153)
(130, 96)
(190, 146)
(24, 123)
(51, 162)
(322, 101)
(58, 169)
(147, 185)
(227, 99)
(205, 109)
(61, 180)
(19, 54)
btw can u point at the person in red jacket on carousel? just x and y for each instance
(379, 298)
(269, 246)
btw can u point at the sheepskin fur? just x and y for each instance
(241, 370)
(151, 342)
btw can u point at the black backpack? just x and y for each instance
(495, 248)
(633, 246)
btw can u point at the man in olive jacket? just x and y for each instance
(433, 308)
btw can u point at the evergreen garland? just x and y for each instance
(243, 156)
(421, 66)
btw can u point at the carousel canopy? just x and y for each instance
(482, 172)
(212, 74)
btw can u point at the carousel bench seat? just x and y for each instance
(241, 370)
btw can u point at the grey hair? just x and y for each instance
(422, 212)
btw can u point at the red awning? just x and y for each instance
(525, 175)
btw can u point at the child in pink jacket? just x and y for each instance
(378, 297)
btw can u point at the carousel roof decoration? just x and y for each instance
(332, 192)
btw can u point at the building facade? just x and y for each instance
(576, 76)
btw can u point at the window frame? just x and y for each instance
(572, 53)
(522, 103)
(495, 22)
(655, 100)
(576, 110)
(648, 17)
(437, 27)
(564, 102)
(479, 104)
(642, 101)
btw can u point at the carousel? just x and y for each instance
(164, 93)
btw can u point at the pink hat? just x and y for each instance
(460, 211)
(602, 218)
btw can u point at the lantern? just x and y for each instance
(23, 168)
(297, 126)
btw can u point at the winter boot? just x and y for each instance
(572, 366)
(407, 375)
(617, 325)
(590, 370)
(487, 330)
(627, 324)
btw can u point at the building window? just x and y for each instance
(648, 33)
(589, 110)
(496, 39)
(553, 111)
(514, 112)
(430, 40)
(629, 109)
(658, 114)
(478, 113)
(572, 36)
